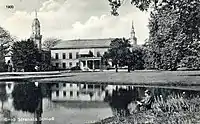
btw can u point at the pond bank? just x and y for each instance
(176, 107)
(20, 76)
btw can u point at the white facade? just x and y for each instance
(65, 60)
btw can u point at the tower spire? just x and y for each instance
(132, 25)
(133, 37)
(35, 13)
(36, 36)
(132, 28)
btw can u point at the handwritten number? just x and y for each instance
(10, 6)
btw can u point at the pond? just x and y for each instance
(72, 103)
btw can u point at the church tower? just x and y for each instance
(36, 36)
(133, 38)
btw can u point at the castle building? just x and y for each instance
(85, 53)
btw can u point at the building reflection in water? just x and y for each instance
(77, 92)
(141, 104)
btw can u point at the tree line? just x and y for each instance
(174, 33)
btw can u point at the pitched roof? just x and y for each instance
(83, 43)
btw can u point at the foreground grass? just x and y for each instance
(174, 110)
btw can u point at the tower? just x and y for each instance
(36, 36)
(133, 38)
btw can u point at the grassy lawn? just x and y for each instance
(147, 78)
(161, 78)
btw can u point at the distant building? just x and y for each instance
(85, 53)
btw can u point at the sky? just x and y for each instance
(73, 19)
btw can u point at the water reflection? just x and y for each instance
(77, 92)
(3, 95)
(92, 102)
(27, 97)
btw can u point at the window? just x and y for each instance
(64, 93)
(70, 64)
(64, 65)
(77, 55)
(84, 63)
(57, 65)
(77, 93)
(64, 56)
(84, 86)
(90, 86)
(57, 93)
(9, 85)
(57, 57)
(57, 85)
(97, 86)
(64, 84)
(71, 93)
(70, 55)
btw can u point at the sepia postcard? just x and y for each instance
(99, 62)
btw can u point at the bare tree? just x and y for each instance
(50, 42)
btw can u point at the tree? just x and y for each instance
(50, 42)
(190, 62)
(143, 5)
(137, 58)
(148, 56)
(5, 42)
(28, 98)
(119, 52)
(25, 55)
(174, 32)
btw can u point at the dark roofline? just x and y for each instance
(78, 48)
(90, 39)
